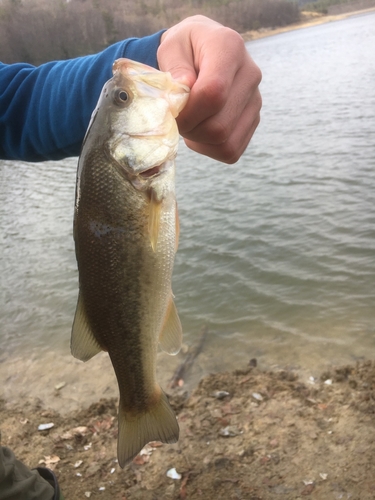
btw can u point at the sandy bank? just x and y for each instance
(308, 19)
(268, 436)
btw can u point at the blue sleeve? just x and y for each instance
(45, 110)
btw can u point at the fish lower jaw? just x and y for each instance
(151, 172)
(156, 170)
(142, 180)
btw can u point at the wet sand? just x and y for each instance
(263, 436)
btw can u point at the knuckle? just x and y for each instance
(235, 39)
(230, 154)
(258, 101)
(215, 93)
(219, 132)
(257, 75)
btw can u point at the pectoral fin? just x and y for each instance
(154, 219)
(170, 339)
(177, 228)
(83, 344)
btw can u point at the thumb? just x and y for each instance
(183, 75)
(177, 58)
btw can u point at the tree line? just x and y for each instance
(337, 6)
(37, 31)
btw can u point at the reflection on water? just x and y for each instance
(277, 253)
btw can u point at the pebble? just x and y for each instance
(220, 394)
(44, 427)
(173, 474)
(230, 431)
(60, 386)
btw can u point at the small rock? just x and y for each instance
(173, 474)
(45, 427)
(220, 394)
(146, 450)
(230, 431)
(80, 431)
(66, 435)
(141, 459)
(308, 489)
(60, 386)
(50, 460)
(306, 482)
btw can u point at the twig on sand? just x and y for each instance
(182, 370)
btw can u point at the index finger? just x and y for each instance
(216, 65)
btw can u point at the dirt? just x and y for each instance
(248, 434)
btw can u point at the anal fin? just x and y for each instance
(83, 344)
(170, 338)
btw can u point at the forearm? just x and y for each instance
(45, 110)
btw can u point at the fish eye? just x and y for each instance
(121, 97)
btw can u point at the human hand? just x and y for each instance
(223, 109)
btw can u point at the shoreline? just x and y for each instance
(308, 20)
(244, 434)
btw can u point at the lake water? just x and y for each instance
(277, 253)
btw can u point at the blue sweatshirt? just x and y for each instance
(45, 110)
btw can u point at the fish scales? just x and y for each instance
(125, 231)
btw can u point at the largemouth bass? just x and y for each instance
(126, 236)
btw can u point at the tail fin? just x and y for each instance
(158, 424)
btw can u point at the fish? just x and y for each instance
(126, 235)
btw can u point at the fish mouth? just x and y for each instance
(155, 170)
(152, 172)
(143, 179)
